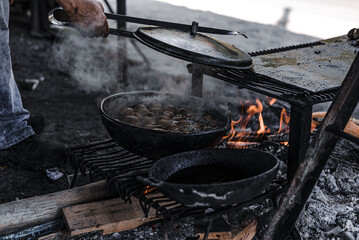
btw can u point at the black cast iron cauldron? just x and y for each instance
(212, 178)
(156, 144)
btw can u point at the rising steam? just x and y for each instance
(92, 64)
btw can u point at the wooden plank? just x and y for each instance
(109, 216)
(55, 236)
(15, 216)
(248, 232)
(351, 128)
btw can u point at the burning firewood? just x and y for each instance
(248, 233)
(351, 128)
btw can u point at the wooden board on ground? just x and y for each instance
(62, 235)
(17, 215)
(110, 216)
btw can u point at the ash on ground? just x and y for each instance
(332, 212)
(151, 232)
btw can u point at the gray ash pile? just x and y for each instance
(332, 212)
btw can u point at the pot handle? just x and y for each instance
(150, 181)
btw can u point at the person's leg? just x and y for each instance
(13, 125)
(18, 143)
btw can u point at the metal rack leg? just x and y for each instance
(197, 80)
(299, 136)
(35, 19)
(121, 9)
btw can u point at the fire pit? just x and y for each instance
(311, 78)
(108, 159)
(300, 94)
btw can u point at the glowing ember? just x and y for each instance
(148, 190)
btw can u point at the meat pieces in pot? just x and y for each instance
(167, 118)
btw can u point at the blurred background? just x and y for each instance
(318, 18)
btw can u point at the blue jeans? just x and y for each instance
(13, 125)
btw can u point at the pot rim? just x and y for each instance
(194, 186)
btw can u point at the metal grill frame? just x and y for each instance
(300, 100)
(127, 186)
(104, 157)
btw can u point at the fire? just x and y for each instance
(148, 190)
(271, 101)
(237, 138)
(284, 121)
(241, 136)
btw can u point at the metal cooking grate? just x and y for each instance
(121, 167)
(106, 159)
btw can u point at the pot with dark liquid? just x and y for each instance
(211, 178)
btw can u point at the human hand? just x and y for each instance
(88, 17)
(11, 1)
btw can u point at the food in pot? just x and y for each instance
(148, 121)
(132, 120)
(127, 111)
(167, 117)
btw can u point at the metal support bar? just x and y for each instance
(35, 18)
(121, 9)
(299, 136)
(109, 6)
(316, 157)
(197, 80)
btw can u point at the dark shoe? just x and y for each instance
(37, 122)
(35, 154)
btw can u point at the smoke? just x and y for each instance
(92, 64)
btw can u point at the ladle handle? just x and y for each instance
(58, 17)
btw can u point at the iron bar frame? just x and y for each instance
(107, 159)
(300, 100)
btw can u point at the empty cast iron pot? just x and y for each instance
(212, 178)
(155, 144)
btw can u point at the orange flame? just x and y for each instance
(284, 121)
(241, 137)
(237, 139)
(148, 190)
(271, 101)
